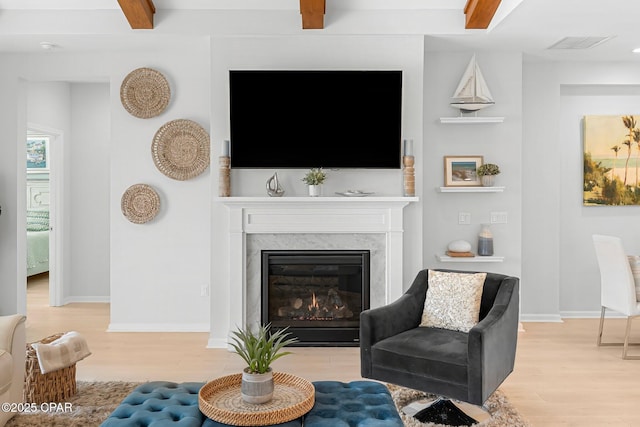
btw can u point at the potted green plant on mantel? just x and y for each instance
(259, 349)
(487, 173)
(314, 180)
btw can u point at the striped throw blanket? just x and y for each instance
(65, 351)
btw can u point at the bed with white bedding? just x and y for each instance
(37, 241)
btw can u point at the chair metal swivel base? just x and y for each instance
(625, 345)
(441, 410)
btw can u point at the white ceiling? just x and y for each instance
(528, 26)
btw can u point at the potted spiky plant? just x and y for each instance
(259, 349)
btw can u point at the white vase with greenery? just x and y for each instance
(314, 180)
(487, 173)
(259, 349)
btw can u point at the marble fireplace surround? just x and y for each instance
(365, 223)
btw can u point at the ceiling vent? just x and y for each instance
(579, 42)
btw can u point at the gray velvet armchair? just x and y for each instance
(458, 365)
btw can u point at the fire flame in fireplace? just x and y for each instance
(323, 307)
(314, 303)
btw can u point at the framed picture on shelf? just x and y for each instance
(38, 154)
(461, 171)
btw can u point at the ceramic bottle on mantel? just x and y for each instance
(485, 241)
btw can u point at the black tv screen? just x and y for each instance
(307, 119)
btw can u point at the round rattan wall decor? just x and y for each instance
(145, 93)
(140, 203)
(180, 149)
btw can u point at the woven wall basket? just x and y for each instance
(145, 93)
(180, 149)
(140, 203)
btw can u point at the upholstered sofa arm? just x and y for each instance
(8, 325)
(492, 342)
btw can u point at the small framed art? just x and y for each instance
(38, 154)
(461, 171)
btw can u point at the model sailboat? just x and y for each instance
(472, 93)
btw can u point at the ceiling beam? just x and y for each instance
(479, 13)
(312, 12)
(139, 13)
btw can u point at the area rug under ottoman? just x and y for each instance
(95, 401)
(500, 412)
(90, 406)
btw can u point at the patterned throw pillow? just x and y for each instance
(453, 300)
(37, 220)
(634, 263)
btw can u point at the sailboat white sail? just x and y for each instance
(472, 93)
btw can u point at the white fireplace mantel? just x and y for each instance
(311, 215)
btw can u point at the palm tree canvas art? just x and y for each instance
(611, 160)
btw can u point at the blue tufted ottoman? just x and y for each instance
(159, 404)
(354, 404)
(338, 404)
(165, 404)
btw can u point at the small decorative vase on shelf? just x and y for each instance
(488, 180)
(485, 241)
(315, 190)
(487, 173)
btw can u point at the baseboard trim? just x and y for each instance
(74, 299)
(590, 314)
(556, 318)
(568, 315)
(158, 327)
(217, 343)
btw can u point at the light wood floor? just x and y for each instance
(561, 377)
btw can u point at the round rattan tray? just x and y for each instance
(221, 401)
(145, 93)
(180, 149)
(140, 203)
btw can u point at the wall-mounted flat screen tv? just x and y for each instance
(307, 119)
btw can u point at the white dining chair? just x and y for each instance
(617, 286)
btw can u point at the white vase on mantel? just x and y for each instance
(315, 190)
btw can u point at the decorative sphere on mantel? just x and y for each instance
(459, 246)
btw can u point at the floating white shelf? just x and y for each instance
(446, 258)
(470, 189)
(471, 120)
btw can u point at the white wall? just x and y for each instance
(156, 270)
(12, 187)
(79, 112)
(49, 110)
(541, 200)
(564, 276)
(314, 52)
(89, 183)
(159, 268)
(499, 143)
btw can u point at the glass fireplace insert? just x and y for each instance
(318, 294)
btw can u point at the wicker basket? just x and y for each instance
(53, 386)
